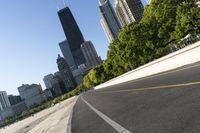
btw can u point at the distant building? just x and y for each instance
(15, 109)
(109, 20)
(78, 76)
(129, 11)
(31, 94)
(19, 108)
(73, 35)
(4, 101)
(66, 51)
(47, 93)
(90, 54)
(47, 80)
(8, 112)
(58, 85)
(66, 73)
(14, 99)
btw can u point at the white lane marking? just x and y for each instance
(112, 123)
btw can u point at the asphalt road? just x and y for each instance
(163, 103)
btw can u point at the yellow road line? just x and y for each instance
(155, 87)
(164, 73)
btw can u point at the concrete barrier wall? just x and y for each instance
(185, 56)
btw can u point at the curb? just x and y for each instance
(69, 124)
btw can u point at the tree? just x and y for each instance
(163, 24)
(188, 20)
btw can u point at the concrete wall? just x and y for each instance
(185, 56)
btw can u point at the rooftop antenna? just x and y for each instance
(58, 8)
(64, 3)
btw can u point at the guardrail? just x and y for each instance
(188, 55)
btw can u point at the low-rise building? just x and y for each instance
(8, 112)
(14, 99)
(19, 108)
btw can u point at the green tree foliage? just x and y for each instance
(188, 19)
(164, 23)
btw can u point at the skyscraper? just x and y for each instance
(4, 101)
(66, 51)
(109, 20)
(129, 11)
(73, 35)
(90, 54)
(66, 73)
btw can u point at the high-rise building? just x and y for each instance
(73, 35)
(47, 80)
(31, 94)
(90, 54)
(4, 101)
(66, 51)
(109, 20)
(66, 73)
(129, 11)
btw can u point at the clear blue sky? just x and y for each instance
(29, 34)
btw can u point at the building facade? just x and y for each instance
(31, 94)
(73, 35)
(66, 73)
(4, 101)
(109, 20)
(47, 80)
(58, 85)
(8, 112)
(14, 99)
(90, 54)
(19, 107)
(129, 11)
(66, 51)
(47, 93)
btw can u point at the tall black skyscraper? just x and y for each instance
(73, 34)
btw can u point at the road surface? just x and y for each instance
(163, 103)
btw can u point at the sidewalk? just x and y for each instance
(54, 119)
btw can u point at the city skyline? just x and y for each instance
(29, 43)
